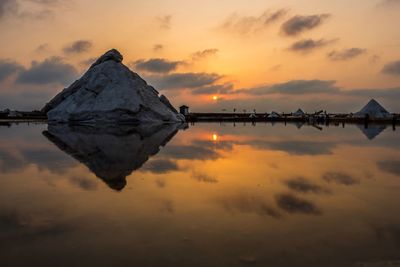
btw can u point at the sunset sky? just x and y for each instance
(209, 55)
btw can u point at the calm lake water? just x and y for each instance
(209, 195)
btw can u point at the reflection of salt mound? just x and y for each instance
(371, 131)
(113, 152)
(108, 93)
(374, 110)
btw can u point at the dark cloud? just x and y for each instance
(302, 185)
(78, 47)
(390, 166)
(308, 45)
(156, 65)
(225, 88)
(389, 3)
(392, 68)
(299, 24)
(247, 24)
(8, 68)
(205, 178)
(43, 8)
(204, 53)
(293, 204)
(346, 54)
(183, 80)
(248, 203)
(160, 166)
(339, 178)
(51, 70)
(294, 87)
(164, 21)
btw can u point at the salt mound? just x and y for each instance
(109, 92)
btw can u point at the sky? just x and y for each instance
(210, 55)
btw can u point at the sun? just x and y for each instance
(215, 137)
(215, 98)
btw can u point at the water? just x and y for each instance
(210, 195)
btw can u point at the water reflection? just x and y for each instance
(258, 195)
(114, 152)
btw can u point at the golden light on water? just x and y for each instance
(215, 137)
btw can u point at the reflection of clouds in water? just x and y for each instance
(190, 152)
(202, 177)
(160, 166)
(84, 183)
(167, 206)
(248, 203)
(298, 148)
(339, 178)
(390, 166)
(302, 185)
(16, 227)
(44, 159)
(293, 204)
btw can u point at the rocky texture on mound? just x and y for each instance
(109, 92)
(374, 110)
(112, 152)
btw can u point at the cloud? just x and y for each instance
(161, 166)
(204, 53)
(51, 70)
(188, 80)
(78, 47)
(303, 147)
(8, 68)
(214, 89)
(164, 21)
(307, 45)
(40, 9)
(7, 6)
(43, 48)
(339, 178)
(158, 47)
(299, 24)
(84, 183)
(295, 87)
(392, 68)
(293, 204)
(346, 54)
(248, 24)
(156, 65)
(389, 3)
(390, 166)
(302, 185)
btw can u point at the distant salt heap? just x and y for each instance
(110, 93)
(299, 113)
(374, 110)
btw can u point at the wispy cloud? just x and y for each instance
(248, 24)
(298, 24)
(309, 45)
(164, 21)
(156, 65)
(204, 53)
(78, 47)
(346, 54)
(188, 80)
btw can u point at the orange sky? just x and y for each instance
(226, 49)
